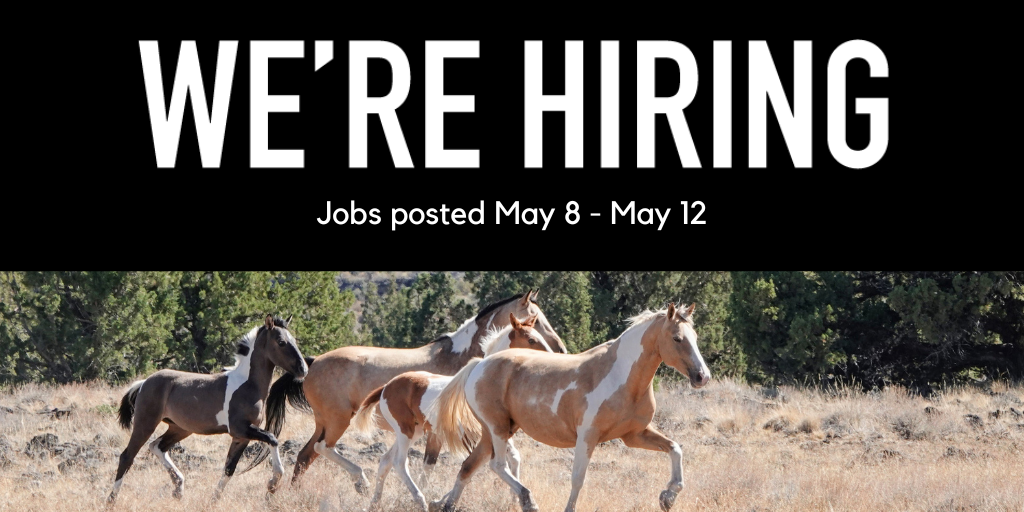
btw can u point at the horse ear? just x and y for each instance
(515, 321)
(526, 298)
(288, 321)
(671, 310)
(530, 321)
(269, 322)
(689, 310)
(534, 298)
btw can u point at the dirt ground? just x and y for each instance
(744, 449)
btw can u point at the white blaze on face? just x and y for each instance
(236, 377)
(543, 342)
(435, 384)
(462, 339)
(627, 351)
(691, 337)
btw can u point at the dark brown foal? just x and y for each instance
(226, 403)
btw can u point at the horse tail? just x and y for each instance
(289, 388)
(124, 415)
(366, 417)
(453, 420)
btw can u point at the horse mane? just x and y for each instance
(447, 337)
(644, 316)
(500, 303)
(489, 341)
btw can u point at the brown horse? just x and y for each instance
(569, 401)
(339, 380)
(226, 403)
(402, 403)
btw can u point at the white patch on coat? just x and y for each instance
(275, 459)
(237, 375)
(117, 486)
(462, 338)
(165, 460)
(558, 396)
(628, 349)
(332, 454)
(435, 384)
(471, 381)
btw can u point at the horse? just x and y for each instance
(339, 380)
(569, 401)
(226, 403)
(402, 401)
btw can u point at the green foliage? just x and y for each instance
(913, 328)
(916, 328)
(412, 316)
(75, 326)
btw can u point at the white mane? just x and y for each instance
(249, 340)
(489, 341)
(644, 316)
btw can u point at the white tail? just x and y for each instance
(366, 417)
(455, 423)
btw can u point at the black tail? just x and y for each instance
(124, 415)
(286, 387)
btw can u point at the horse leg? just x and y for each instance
(382, 473)
(514, 460)
(499, 464)
(401, 448)
(235, 452)
(326, 447)
(430, 454)
(159, 448)
(258, 434)
(480, 453)
(581, 459)
(145, 424)
(308, 454)
(650, 439)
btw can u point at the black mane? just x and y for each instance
(500, 303)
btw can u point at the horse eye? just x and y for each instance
(281, 342)
(677, 339)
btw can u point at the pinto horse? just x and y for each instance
(402, 403)
(339, 380)
(569, 401)
(226, 403)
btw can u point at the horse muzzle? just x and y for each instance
(700, 378)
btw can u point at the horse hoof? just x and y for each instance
(361, 487)
(176, 494)
(437, 506)
(667, 499)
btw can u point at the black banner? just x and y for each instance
(930, 198)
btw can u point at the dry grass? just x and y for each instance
(744, 449)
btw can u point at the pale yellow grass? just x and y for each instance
(743, 448)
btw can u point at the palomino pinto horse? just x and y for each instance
(404, 400)
(570, 401)
(339, 380)
(226, 403)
